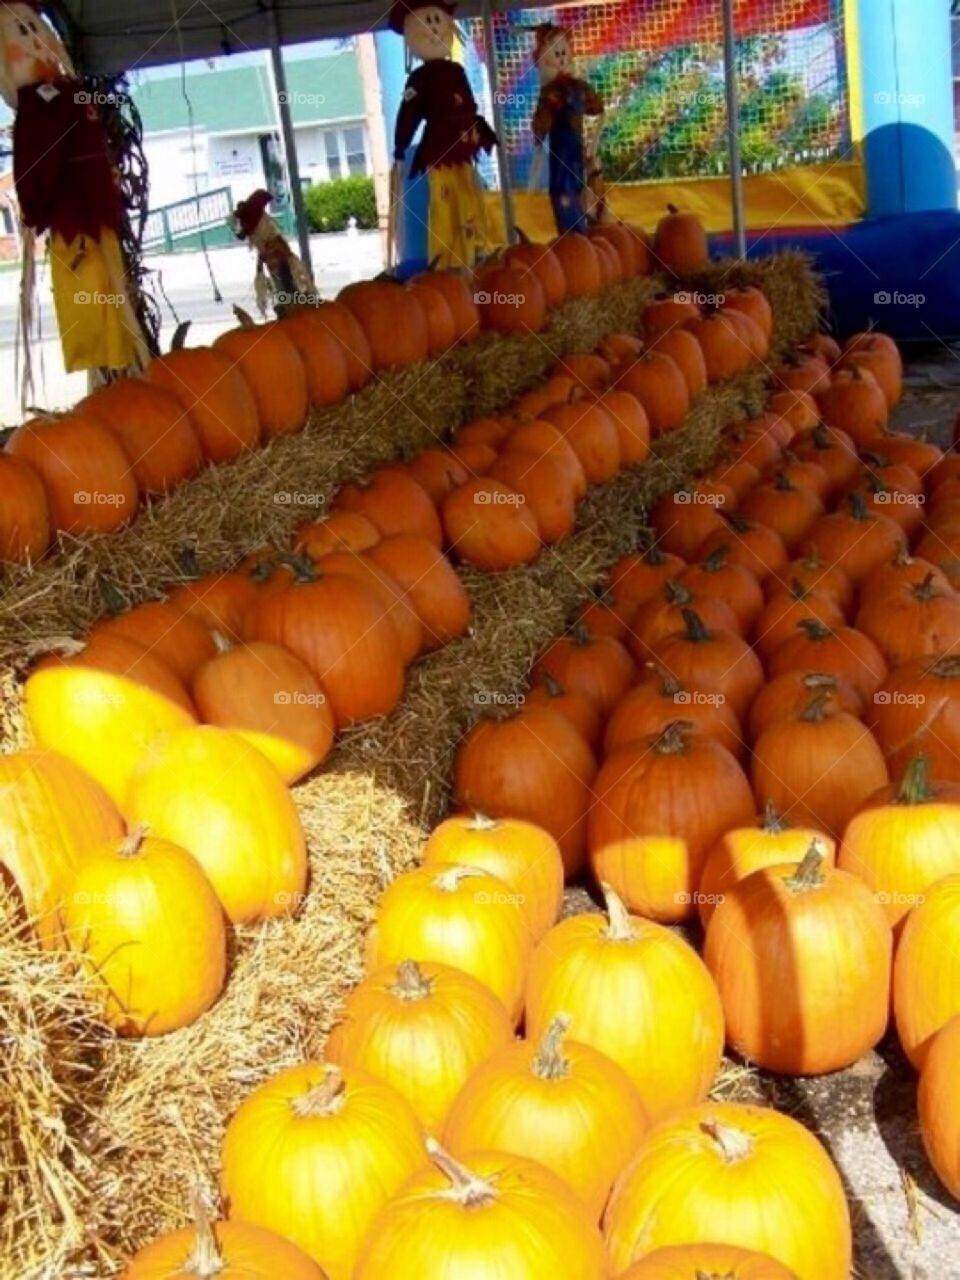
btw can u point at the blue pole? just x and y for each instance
(412, 223)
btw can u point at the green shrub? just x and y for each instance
(330, 205)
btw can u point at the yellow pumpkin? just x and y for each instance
(937, 1104)
(498, 1215)
(562, 1103)
(314, 1153)
(103, 707)
(524, 855)
(51, 815)
(222, 1251)
(636, 992)
(707, 1262)
(729, 1173)
(215, 795)
(424, 1029)
(458, 916)
(926, 971)
(152, 933)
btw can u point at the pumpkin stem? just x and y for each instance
(411, 984)
(858, 507)
(677, 593)
(738, 523)
(323, 1099)
(650, 552)
(581, 634)
(550, 1064)
(205, 1260)
(809, 874)
(222, 643)
(179, 340)
(816, 709)
(132, 843)
(670, 686)
(481, 822)
(449, 881)
(553, 686)
(672, 208)
(696, 632)
(734, 1144)
(674, 740)
(465, 1187)
(522, 237)
(783, 483)
(819, 436)
(820, 680)
(716, 560)
(815, 629)
(304, 569)
(915, 786)
(244, 318)
(620, 928)
(926, 590)
(773, 821)
(946, 668)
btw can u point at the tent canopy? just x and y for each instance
(111, 36)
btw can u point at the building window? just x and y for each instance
(331, 141)
(355, 150)
(6, 220)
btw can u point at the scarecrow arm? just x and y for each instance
(593, 103)
(409, 118)
(545, 114)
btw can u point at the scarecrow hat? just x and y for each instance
(401, 10)
(544, 35)
(249, 212)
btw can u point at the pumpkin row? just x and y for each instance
(86, 471)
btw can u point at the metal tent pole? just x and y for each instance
(506, 193)
(288, 136)
(733, 128)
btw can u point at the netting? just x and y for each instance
(658, 65)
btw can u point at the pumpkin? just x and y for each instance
(564, 1104)
(342, 324)
(725, 353)
(441, 324)
(801, 955)
(600, 668)
(695, 1261)
(179, 640)
(314, 1153)
(825, 346)
(458, 296)
(770, 841)
(641, 575)
(593, 436)
(757, 546)
(430, 583)
(659, 384)
(540, 480)
(785, 508)
(788, 693)
(667, 312)
(489, 525)
(542, 438)
(535, 766)
(524, 856)
(937, 1105)
(892, 502)
(220, 601)
(611, 265)
(153, 428)
(798, 409)
(588, 371)
(811, 570)
(212, 793)
(340, 531)
(151, 932)
(805, 475)
(396, 604)
(874, 357)
(324, 359)
(581, 711)
(619, 349)
(687, 354)
(817, 767)
(88, 479)
(840, 650)
(637, 992)
(685, 519)
(716, 576)
(632, 425)
(498, 1215)
(580, 264)
(739, 475)
(755, 342)
(52, 815)
(456, 915)
(926, 991)
(394, 503)
(437, 471)
(834, 451)
(758, 440)
(918, 620)
(720, 661)
(25, 529)
(339, 628)
(267, 696)
(557, 388)
(917, 708)
(786, 610)
(626, 242)
(942, 547)
(215, 394)
(393, 321)
(904, 838)
(922, 455)
(511, 300)
(274, 372)
(659, 807)
(680, 243)
(803, 373)
(657, 701)
(423, 1029)
(103, 706)
(730, 1173)
(543, 262)
(855, 403)
(753, 302)
(229, 1250)
(657, 620)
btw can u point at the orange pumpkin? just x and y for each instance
(229, 1250)
(787, 509)
(658, 700)
(916, 620)
(582, 712)
(432, 586)
(661, 387)
(588, 371)
(834, 451)
(342, 324)
(791, 691)
(25, 530)
(633, 426)
(841, 650)
(274, 372)
(490, 525)
(324, 359)
(543, 262)
(394, 502)
(580, 263)
(392, 319)
(757, 546)
(753, 302)
(855, 403)
(219, 600)
(340, 531)
(511, 300)
(541, 481)
(153, 429)
(458, 296)
(687, 354)
(718, 577)
(593, 436)
(937, 1105)
(815, 573)
(598, 667)
(692, 1261)
(855, 538)
(785, 610)
(541, 437)
(179, 640)
(719, 660)
(680, 243)
(667, 312)
(917, 708)
(725, 352)
(441, 324)
(796, 408)
(213, 391)
(641, 575)
(877, 358)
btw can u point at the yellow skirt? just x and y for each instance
(458, 220)
(98, 326)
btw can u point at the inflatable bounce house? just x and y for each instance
(845, 132)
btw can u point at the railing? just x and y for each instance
(178, 226)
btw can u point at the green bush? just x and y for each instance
(330, 205)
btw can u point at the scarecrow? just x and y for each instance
(280, 274)
(438, 95)
(575, 179)
(67, 187)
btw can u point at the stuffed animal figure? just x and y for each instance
(280, 274)
(438, 96)
(67, 188)
(575, 179)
